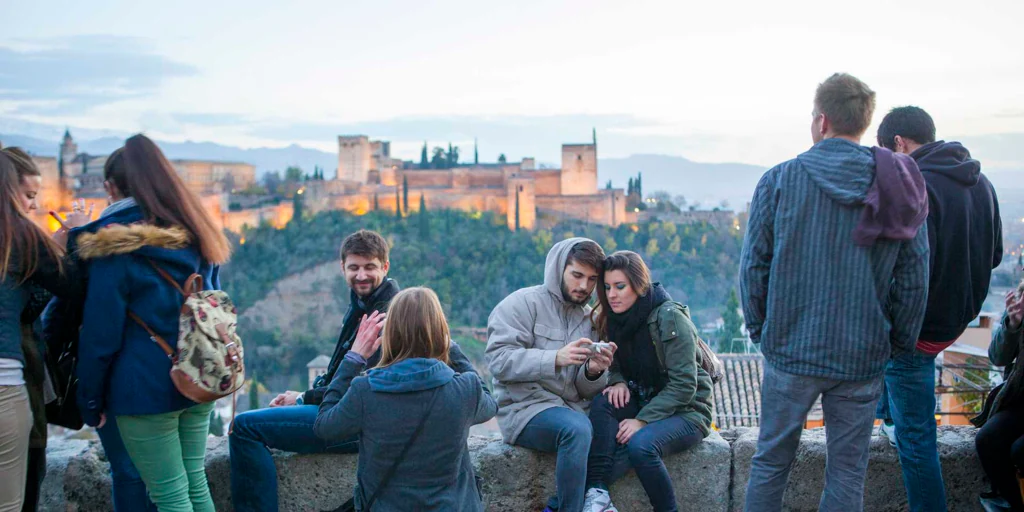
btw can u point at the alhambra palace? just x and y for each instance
(368, 178)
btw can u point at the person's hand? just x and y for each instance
(618, 395)
(368, 336)
(602, 360)
(286, 398)
(1014, 309)
(575, 353)
(79, 216)
(103, 420)
(627, 428)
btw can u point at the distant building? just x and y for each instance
(368, 175)
(317, 367)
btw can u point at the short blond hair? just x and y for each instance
(416, 327)
(847, 103)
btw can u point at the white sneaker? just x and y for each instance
(598, 500)
(888, 431)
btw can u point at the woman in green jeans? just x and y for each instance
(122, 372)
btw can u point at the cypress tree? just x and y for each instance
(424, 161)
(375, 205)
(517, 209)
(398, 205)
(254, 393)
(405, 194)
(476, 155)
(424, 220)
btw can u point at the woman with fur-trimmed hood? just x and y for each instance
(154, 223)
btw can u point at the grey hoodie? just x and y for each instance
(524, 333)
(820, 305)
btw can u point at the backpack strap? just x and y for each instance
(405, 449)
(193, 285)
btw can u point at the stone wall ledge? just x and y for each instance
(710, 477)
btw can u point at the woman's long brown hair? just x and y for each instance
(416, 327)
(20, 238)
(140, 170)
(638, 275)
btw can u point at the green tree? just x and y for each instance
(424, 219)
(216, 424)
(675, 245)
(405, 194)
(440, 159)
(376, 206)
(293, 174)
(517, 209)
(254, 393)
(476, 154)
(502, 159)
(652, 248)
(732, 326)
(608, 186)
(398, 205)
(297, 206)
(424, 162)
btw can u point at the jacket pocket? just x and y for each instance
(548, 338)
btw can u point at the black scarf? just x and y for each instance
(358, 307)
(636, 356)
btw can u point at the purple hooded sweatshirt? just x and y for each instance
(897, 201)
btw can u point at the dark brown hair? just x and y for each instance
(419, 328)
(586, 253)
(20, 238)
(847, 102)
(365, 243)
(140, 170)
(638, 275)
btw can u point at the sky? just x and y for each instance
(710, 81)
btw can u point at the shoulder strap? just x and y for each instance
(405, 449)
(194, 284)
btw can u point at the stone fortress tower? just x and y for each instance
(355, 158)
(579, 168)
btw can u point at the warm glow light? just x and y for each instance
(636, 209)
(301, 190)
(242, 241)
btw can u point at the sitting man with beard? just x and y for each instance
(288, 424)
(545, 372)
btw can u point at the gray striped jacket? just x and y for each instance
(818, 304)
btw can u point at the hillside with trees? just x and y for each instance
(471, 260)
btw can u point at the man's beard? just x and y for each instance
(567, 296)
(356, 287)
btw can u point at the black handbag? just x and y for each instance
(61, 359)
(350, 505)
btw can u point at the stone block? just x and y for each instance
(883, 489)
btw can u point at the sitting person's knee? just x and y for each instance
(641, 449)
(578, 428)
(985, 441)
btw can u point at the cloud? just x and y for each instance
(75, 74)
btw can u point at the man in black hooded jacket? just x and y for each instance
(965, 238)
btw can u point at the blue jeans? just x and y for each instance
(609, 461)
(567, 433)
(128, 489)
(908, 399)
(785, 401)
(288, 428)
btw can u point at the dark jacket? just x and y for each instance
(14, 297)
(62, 318)
(120, 370)
(965, 235)
(35, 365)
(688, 387)
(1004, 351)
(819, 304)
(384, 407)
(357, 307)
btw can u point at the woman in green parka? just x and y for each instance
(658, 401)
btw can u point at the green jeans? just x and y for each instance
(169, 451)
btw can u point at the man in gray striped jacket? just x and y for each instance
(834, 275)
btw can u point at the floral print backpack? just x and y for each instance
(208, 362)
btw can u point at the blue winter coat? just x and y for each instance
(121, 371)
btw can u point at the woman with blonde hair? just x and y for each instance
(412, 412)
